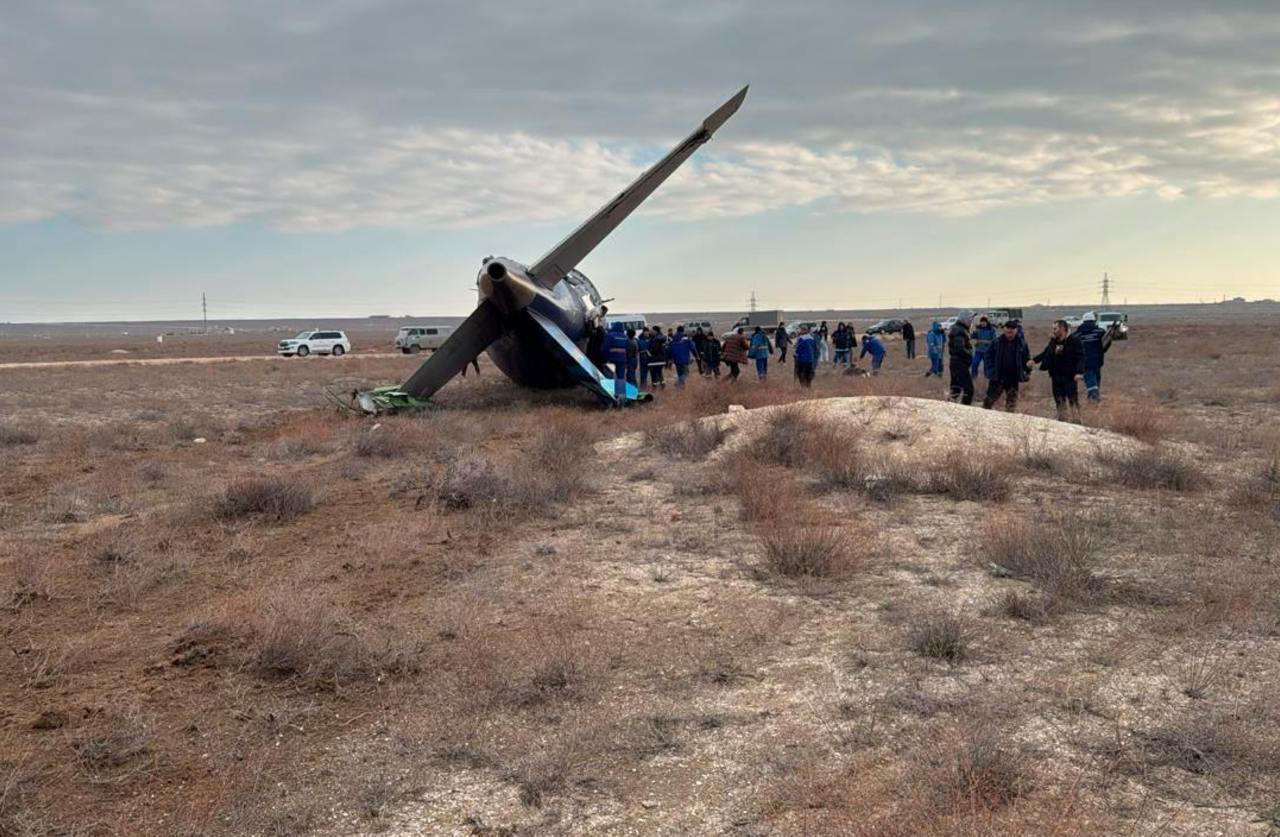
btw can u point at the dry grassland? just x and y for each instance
(517, 614)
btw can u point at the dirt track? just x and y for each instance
(167, 361)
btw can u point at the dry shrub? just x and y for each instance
(117, 743)
(270, 498)
(939, 636)
(1147, 423)
(292, 448)
(1022, 606)
(808, 552)
(783, 441)
(554, 469)
(1056, 554)
(128, 580)
(1156, 467)
(1260, 489)
(29, 578)
(982, 771)
(311, 641)
(962, 477)
(764, 493)
(72, 503)
(379, 441)
(690, 440)
(14, 436)
(1237, 742)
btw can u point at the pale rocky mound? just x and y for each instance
(920, 428)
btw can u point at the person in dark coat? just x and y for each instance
(1063, 359)
(711, 356)
(909, 339)
(1094, 343)
(633, 357)
(782, 340)
(657, 358)
(699, 347)
(960, 352)
(1007, 359)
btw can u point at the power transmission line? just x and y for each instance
(1106, 291)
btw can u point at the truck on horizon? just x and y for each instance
(767, 320)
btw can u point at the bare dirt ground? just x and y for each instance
(851, 610)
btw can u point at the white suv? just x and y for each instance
(315, 342)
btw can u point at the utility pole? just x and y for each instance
(1106, 291)
(204, 311)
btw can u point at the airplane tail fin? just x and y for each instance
(565, 256)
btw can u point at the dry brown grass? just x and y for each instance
(1058, 555)
(809, 552)
(1146, 422)
(267, 498)
(1158, 467)
(691, 440)
(310, 641)
(939, 636)
(597, 641)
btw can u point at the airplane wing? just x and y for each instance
(566, 255)
(584, 370)
(464, 345)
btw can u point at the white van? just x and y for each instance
(635, 321)
(413, 339)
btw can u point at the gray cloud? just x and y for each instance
(346, 113)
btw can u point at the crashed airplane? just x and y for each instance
(533, 320)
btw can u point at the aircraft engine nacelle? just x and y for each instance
(507, 285)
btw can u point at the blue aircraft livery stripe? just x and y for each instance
(583, 369)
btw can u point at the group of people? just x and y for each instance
(1004, 358)
(1001, 354)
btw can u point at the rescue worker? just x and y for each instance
(936, 343)
(909, 339)
(806, 357)
(699, 345)
(1094, 343)
(615, 353)
(760, 350)
(782, 340)
(657, 358)
(960, 350)
(735, 352)
(680, 351)
(1007, 359)
(643, 341)
(872, 345)
(1063, 359)
(633, 357)
(711, 356)
(983, 336)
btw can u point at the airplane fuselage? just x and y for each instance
(522, 352)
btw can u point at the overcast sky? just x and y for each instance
(325, 157)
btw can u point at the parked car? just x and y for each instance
(315, 342)
(413, 339)
(892, 326)
(794, 328)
